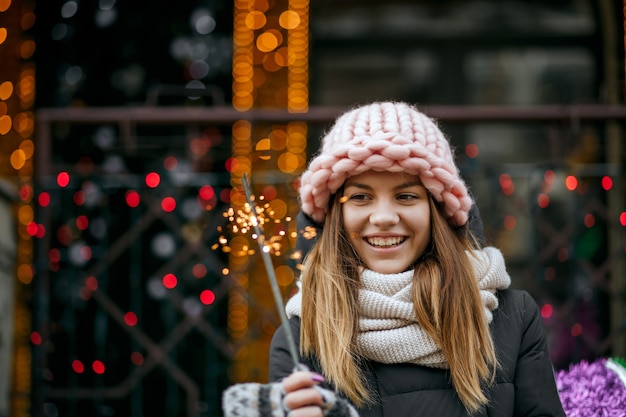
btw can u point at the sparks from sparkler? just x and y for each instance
(242, 222)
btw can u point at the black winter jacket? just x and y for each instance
(524, 386)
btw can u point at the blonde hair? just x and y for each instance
(446, 298)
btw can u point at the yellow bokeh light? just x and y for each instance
(26, 172)
(242, 39)
(263, 147)
(3, 35)
(284, 275)
(278, 34)
(5, 124)
(27, 49)
(25, 215)
(278, 209)
(18, 159)
(296, 142)
(6, 89)
(239, 244)
(24, 124)
(242, 130)
(241, 166)
(242, 71)
(244, 88)
(243, 103)
(262, 5)
(255, 20)
(290, 163)
(28, 20)
(281, 57)
(244, 4)
(4, 5)
(289, 19)
(267, 42)
(25, 273)
(279, 139)
(259, 78)
(269, 63)
(27, 84)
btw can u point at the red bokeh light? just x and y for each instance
(82, 222)
(91, 283)
(230, 164)
(136, 358)
(510, 222)
(44, 199)
(577, 330)
(168, 204)
(130, 319)
(225, 195)
(506, 182)
(207, 297)
(77, 366)
(170, 281)
(79, 198)
(35, 338)
(270, 193)
(98, 367)
(25, 192)
(86, 253)
(54, 255)
(31, 228)
(571, 182)
(543, 200)
(153, 179)
(607, 182)
(63, 179)
(199, 270)
(170, 163)
(206, 192)
(64, 234)
(132, 198)
(41, 231)
(546, 311)
(472, 150)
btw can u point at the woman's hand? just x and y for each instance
(300, 395)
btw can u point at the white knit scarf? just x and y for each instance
(388, 328)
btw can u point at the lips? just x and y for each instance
(385, 242)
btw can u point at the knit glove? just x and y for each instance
(266, 400)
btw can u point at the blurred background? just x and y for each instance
(130, 283)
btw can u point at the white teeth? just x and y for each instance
(385, 241)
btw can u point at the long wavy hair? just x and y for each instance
(446, 299)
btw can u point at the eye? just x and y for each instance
(358, 197)
(408, 196)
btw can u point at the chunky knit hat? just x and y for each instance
(385, 136)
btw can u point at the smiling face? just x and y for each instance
(387, 217)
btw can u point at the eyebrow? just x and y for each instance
(397, 187)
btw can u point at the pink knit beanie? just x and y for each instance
(385, 136)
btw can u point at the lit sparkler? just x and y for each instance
(269, 268)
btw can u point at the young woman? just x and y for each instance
(401, 312)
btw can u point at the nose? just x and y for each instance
(383, 214)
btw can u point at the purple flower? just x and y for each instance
(591, 390)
